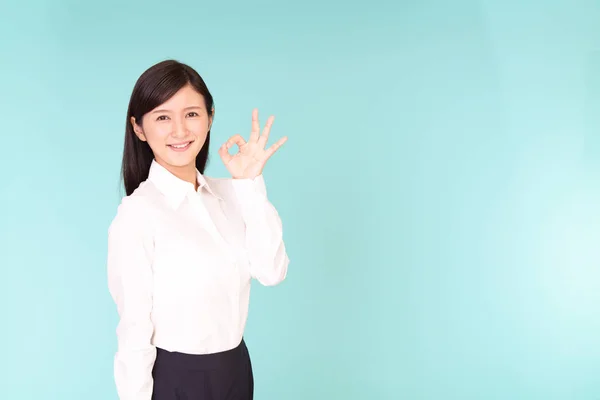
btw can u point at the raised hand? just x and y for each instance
(252, 155)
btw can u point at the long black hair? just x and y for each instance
(154, 87)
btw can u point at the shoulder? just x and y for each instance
(135, 211)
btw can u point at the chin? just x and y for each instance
(181, 162)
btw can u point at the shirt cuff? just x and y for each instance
(250, 187)
(251, 197)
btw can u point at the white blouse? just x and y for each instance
(180, 263)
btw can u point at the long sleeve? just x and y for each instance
(264, 235)
(130, 250)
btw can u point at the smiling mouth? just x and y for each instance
(180, 146)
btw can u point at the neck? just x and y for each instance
(186, 173)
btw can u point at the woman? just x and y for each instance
(183, 247)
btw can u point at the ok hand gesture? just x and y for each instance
(252, 155)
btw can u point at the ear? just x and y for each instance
(137, 129)
(211, 117)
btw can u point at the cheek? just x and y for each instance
(156, 138)
(157, 134)
(199, 127)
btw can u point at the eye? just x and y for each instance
(162, 118)
(193, 114)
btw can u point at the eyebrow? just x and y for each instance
(187, 108)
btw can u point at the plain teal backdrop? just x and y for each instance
(439, 190)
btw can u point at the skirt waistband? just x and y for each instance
(213, 361)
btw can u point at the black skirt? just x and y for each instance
(220, 376)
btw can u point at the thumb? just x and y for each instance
(224, 153)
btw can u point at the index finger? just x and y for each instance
(235, 139)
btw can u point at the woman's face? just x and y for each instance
(177, 129)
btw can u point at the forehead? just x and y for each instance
(187, 96)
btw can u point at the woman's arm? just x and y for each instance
(130, 251)
(264, 235)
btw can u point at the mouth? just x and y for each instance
(180, 146)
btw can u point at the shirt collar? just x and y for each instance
(173, 188)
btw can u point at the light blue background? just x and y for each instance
(439, 191)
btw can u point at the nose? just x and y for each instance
(179, 129)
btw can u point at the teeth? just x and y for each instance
(180, 146)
